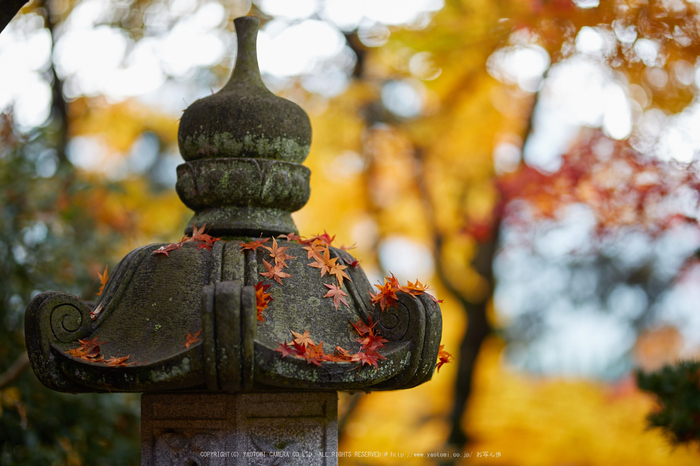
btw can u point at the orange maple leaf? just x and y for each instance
(315, 249)
(89, 350)
(443, 357)
(418, 288)
(337, 270)
(262, 299)
(117, 362)
(279, 253)
(303, 340)
(255, 244)
(386, 296)
(192, 339)
(337, 294)
(274, 272)
(103, 280)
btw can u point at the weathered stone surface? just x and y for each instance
(242, 429)
(243, 147)
(245, 119)
(152, 302)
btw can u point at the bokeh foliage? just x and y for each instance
(428, 177)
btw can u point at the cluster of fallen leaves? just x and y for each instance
(318, 250)
(89, 350)
(204, 240)
(302, 346)
(386, 296)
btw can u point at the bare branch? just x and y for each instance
(15, 370)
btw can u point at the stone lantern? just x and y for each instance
(203, 327)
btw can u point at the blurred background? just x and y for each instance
(535, 161)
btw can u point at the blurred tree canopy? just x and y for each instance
(541, 152)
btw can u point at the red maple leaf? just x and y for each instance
(274, 272)
(367, 357)
(362, 328)
(103, 280)
(285, 349)
(372, 342)
(253, 245)
(337, 294)
(192, 339)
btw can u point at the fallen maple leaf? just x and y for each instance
(292, 237)
(315, 249)
(362, 328)
(367, 357)
(117, 362)
(198, 235)
(285, 349)
(165, 250)
(337, 294)
(417, 288)
(89, 350)
(386, 296)
(261, 300)
(279, 253)
(103, 280)
(337, 270)
(274, 272)
(253, 245)
(443, 357)
(192, 339)
(302, 340)
(372, 342)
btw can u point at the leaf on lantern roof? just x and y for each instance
(279, 253)
(117, 362)
(337, 294)
(292, 237)
(255, 244)
(302, 339)
(285, 349)
(362, 328)
(315, 249)
(386, 296)
(262, 300)
(274, 272)
(192, 339)
(417, 288)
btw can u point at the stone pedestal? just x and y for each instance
(188, 429)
